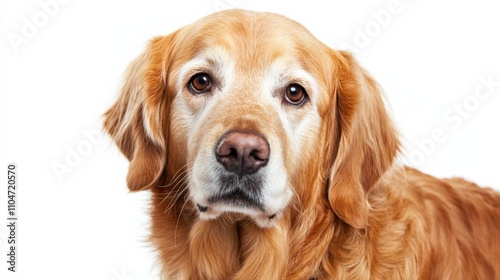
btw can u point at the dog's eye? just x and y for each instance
(200, 83)
(295, 94)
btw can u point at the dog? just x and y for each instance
(270, 155)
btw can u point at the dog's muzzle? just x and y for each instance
(241, 154)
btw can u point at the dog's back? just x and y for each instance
(461, 227)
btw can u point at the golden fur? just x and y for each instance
(355, 214)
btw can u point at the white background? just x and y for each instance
(429, 56)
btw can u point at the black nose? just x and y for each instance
(242, 152)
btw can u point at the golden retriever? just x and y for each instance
(271, 156)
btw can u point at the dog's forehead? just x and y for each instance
(255, 39)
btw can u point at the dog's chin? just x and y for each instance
(261, 218)
(237, 201)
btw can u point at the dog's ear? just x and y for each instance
(365, 140)
(138, 121)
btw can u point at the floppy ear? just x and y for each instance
(366, 141)
(137, 120)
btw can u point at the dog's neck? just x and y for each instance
(293, 249)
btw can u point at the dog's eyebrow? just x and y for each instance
(198, 64)
(214, 61)
(214, 58)
(281, 75)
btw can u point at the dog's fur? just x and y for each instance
(335, 204)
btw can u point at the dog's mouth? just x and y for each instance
(236, 192)
(241, 191)
(238, 198)
(237, 195)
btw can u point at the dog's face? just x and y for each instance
(246, 104)
(246, 110)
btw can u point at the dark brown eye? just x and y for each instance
(295, 94)
(200, 83)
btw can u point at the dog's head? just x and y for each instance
(252, 113)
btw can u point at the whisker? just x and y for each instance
(174, 200)
(223, 221)
(179, 178)
(182, 170)
(298, 205)
(180, 181)
(177, 223)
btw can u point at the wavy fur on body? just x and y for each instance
(349, 212)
